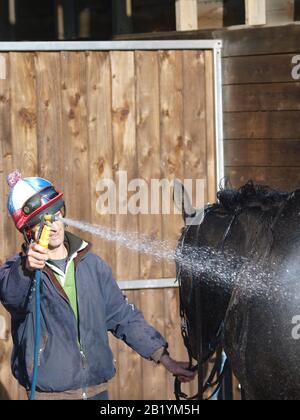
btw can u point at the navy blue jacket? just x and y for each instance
(73, 355)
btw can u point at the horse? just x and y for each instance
(239, 275)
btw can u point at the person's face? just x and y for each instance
(57, 233)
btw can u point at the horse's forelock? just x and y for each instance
(251, 195)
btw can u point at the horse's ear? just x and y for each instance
(182, 200)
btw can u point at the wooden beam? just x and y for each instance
(256, 12)
(186, 15)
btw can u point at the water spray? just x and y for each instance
(224, 266)
(189, 257)
(159, 249)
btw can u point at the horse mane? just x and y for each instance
(251, 195)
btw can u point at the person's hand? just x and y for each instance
(178, 369)
(36, 257)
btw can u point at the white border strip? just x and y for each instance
(219, 118)
(148, 284)
(109, 45)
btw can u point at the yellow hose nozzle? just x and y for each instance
(45, 235)
(49, 218)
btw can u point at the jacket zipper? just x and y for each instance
(83, 358)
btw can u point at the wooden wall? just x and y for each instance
(77, 117)
(261, 102)
(262, 111)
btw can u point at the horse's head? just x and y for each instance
(203, 272)
(244, 258)
(234, 232)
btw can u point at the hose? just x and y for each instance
(43, 235)
(37, 335)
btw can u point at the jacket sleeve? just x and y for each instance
(127, 323)
(15, 285)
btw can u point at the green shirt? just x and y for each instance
(69, 286)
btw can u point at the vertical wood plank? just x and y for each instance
(172, 148)
(24, 116)
(8, 231)
(99, 103)
(100, 142)
(196, 120)
(186, 15)
(24, 112)
(154, 380)
(125, 150)
(256, 12)
(148, 141)
(195, 145)
(149, 146)
(49, 118)
(75, 137)
(172, 164)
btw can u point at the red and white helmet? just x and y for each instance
(30, 198)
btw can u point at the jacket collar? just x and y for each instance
(76, 245)
(77, 250)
